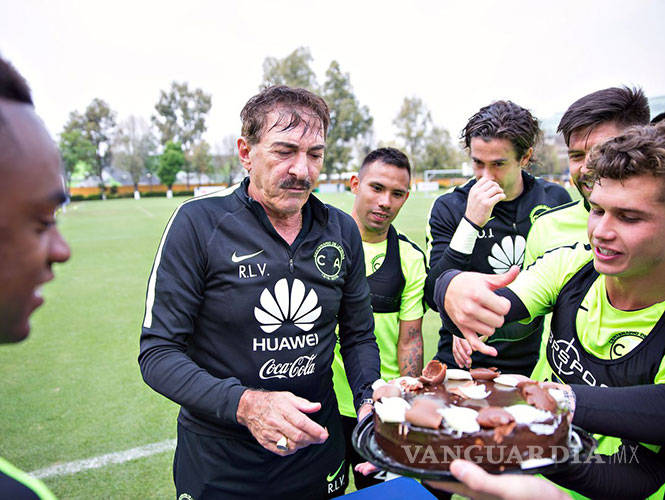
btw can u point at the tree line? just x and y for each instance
(93, 140)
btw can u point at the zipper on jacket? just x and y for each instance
(291, 268)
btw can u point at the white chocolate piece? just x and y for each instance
(474, 391)
(460, 419)
(457, 374)
(391, 409)
(378, 383)
(527, 414)
(508, 380)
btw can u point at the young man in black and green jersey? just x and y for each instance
(30, 192)
(482, 225)
(396, 271)
(608, 302)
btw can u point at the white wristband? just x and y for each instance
(464, 238)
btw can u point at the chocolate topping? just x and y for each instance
(423, 413)
(433, 373)
(484, 373)
(493, 416)
(503, 431)
(537, 396)
(386, 391)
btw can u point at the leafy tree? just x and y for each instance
(413, 123)
(546, 160)
(294, 70)
(439, 152)
(97, 125)
(348, 120)
(201, 158)
(75, 148)
(181, 115)
(225, 159)
(132, 146)
(171, 162)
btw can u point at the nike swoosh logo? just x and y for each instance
(330, 477)
(240, 258)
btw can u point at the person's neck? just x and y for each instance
(631, 294)
(288, 226)
(519, 189)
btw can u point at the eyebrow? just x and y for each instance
(292, 145)
(495, 160)
(619, 209)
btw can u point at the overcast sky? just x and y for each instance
(456, 56)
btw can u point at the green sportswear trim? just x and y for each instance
(34, 484)
(386, 325)
(557, 227)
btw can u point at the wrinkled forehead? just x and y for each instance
(284, 119)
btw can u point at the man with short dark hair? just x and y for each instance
(396, 272)
(246, 291)
(30, 192)
(482, 225)
(590, 120)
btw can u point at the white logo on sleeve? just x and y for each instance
(509, 253)
(287, 305)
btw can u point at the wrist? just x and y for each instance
(245, 402)
(464, 238)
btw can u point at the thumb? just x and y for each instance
(501, 280)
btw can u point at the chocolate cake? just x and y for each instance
(497, 421)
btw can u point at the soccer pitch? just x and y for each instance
(73, 390)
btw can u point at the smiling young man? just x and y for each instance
(482, 225)
(607, 301)
(245, 295)
(396, 272)
(30, 192)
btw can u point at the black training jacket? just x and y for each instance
(501, 244)
(230, 306)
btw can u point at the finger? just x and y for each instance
(459, 353)
(457, 356)
(501, 280)
(366, 468)
(303, 404)
(477, 345)
(307, 431)
(466, 352)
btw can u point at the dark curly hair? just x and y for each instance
(639, 150)
(503, 120)
(290, 102)
(621, 105)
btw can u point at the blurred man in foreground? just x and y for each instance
(30, 192)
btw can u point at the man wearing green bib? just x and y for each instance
(607, 300)
(396, 272)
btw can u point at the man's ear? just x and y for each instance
(524, 162)
(353, 183)
(243, 153)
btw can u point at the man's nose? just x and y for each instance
(59, 250)
(299, 166)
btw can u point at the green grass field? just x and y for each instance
(73, 390)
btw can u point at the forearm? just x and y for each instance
(450, 252)
(169, 371)
(634, 413)
(632, 472)
(410, 348)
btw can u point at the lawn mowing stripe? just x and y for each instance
(146, 212)
(118, 457)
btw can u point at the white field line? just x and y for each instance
(118, 457)
(147, 213)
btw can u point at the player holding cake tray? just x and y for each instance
(611, 287)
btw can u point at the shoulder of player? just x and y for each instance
(409, 246)
(575, 255)
(222, 201)
(556, 212)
